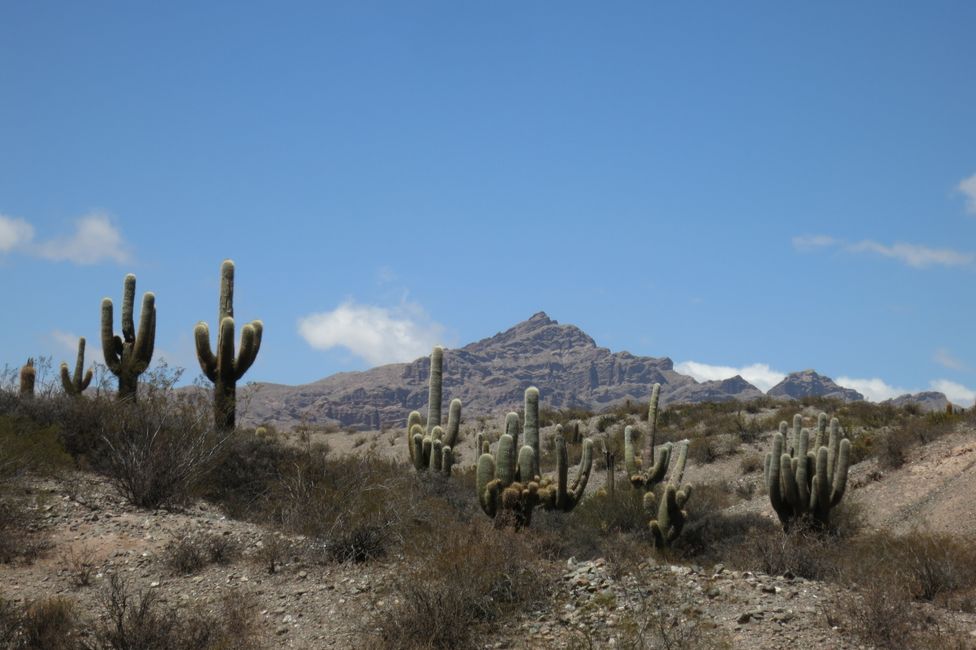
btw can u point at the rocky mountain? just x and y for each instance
(491, 375)
(926, 400)
(809, 383)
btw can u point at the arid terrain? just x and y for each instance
(587, 580)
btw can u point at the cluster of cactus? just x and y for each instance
(432, 448)
(805, 484)
(128, 356)
(76, 384)
(223, 368)
(650, 469)
(511, 485)
(28, 375)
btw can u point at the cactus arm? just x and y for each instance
(679, 468)
(505, 462)
(648, 452)
(208, 362)
(66, 382)
(531, 427)
(840, 472)
(832, 449)
(225, 350)
(417, 448)
(436, 455)
(788, 479)
(144, 342)
(821, 430)
(562, 473)
(526, 464)
(512, 426)
(583, 472)
(630, 460)
(448, 460)
(28, 375)
(453, 422)
(248, 352)
(797, 427)
(111, 344)
(226, 307)
(128, 298)
(434, 390)
(413, 420)
(484, 476)
(802, 484)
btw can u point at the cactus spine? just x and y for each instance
(223, 369)
(76, 384)
(430, 446)
(28, 375)
(804, 483)
(127, 356)
(511, 484)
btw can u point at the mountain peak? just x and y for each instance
(810, 383)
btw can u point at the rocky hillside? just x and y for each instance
(491, 375)
(809, 383)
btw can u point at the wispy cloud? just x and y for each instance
(874, 389)
(67, 343)
(956, 392)
(759, 375)
(14, 233)
(95, 239)
(967, 187)
(379, 335)
(914, 255)
(945, 359)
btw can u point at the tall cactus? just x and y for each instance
(431, 447)
(648, 470)
(76, 384)
(511, 483)
(223, 369)
(28, 375)
(805, 484)
(128, 356)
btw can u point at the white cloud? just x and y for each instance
(95, 239)
(967, 187)
(914, 255)
(14, 233)
(379, 335)
(759, 375)
(874, 390)
(944, 358)
(956, 392)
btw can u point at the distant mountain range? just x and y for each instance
(491, 375)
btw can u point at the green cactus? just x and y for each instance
(430, 447)
(223, 369)
(805, 484)
(512, 485)
(128, 356)
(76, 385)
(28, 375)
(645, 474)
(671, 515)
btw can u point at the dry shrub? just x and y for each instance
(751, 463)
(21, 538)
(272, 552)
(475, 574)
(160, 448)
(193, 552)
(79, 563)
(140, 621)
(50, 624)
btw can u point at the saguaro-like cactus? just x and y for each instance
(431, 447)
(648, 470)
(223, 369)
(671, 515)
(512, 484)
(806, 484)
(28, 375)
(128, 356)
(76, 384)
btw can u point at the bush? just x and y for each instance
(50, 624)
(160, 448)
(477, 574)
(192, 553)
(138, 621)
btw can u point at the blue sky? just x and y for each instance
(764, 186)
